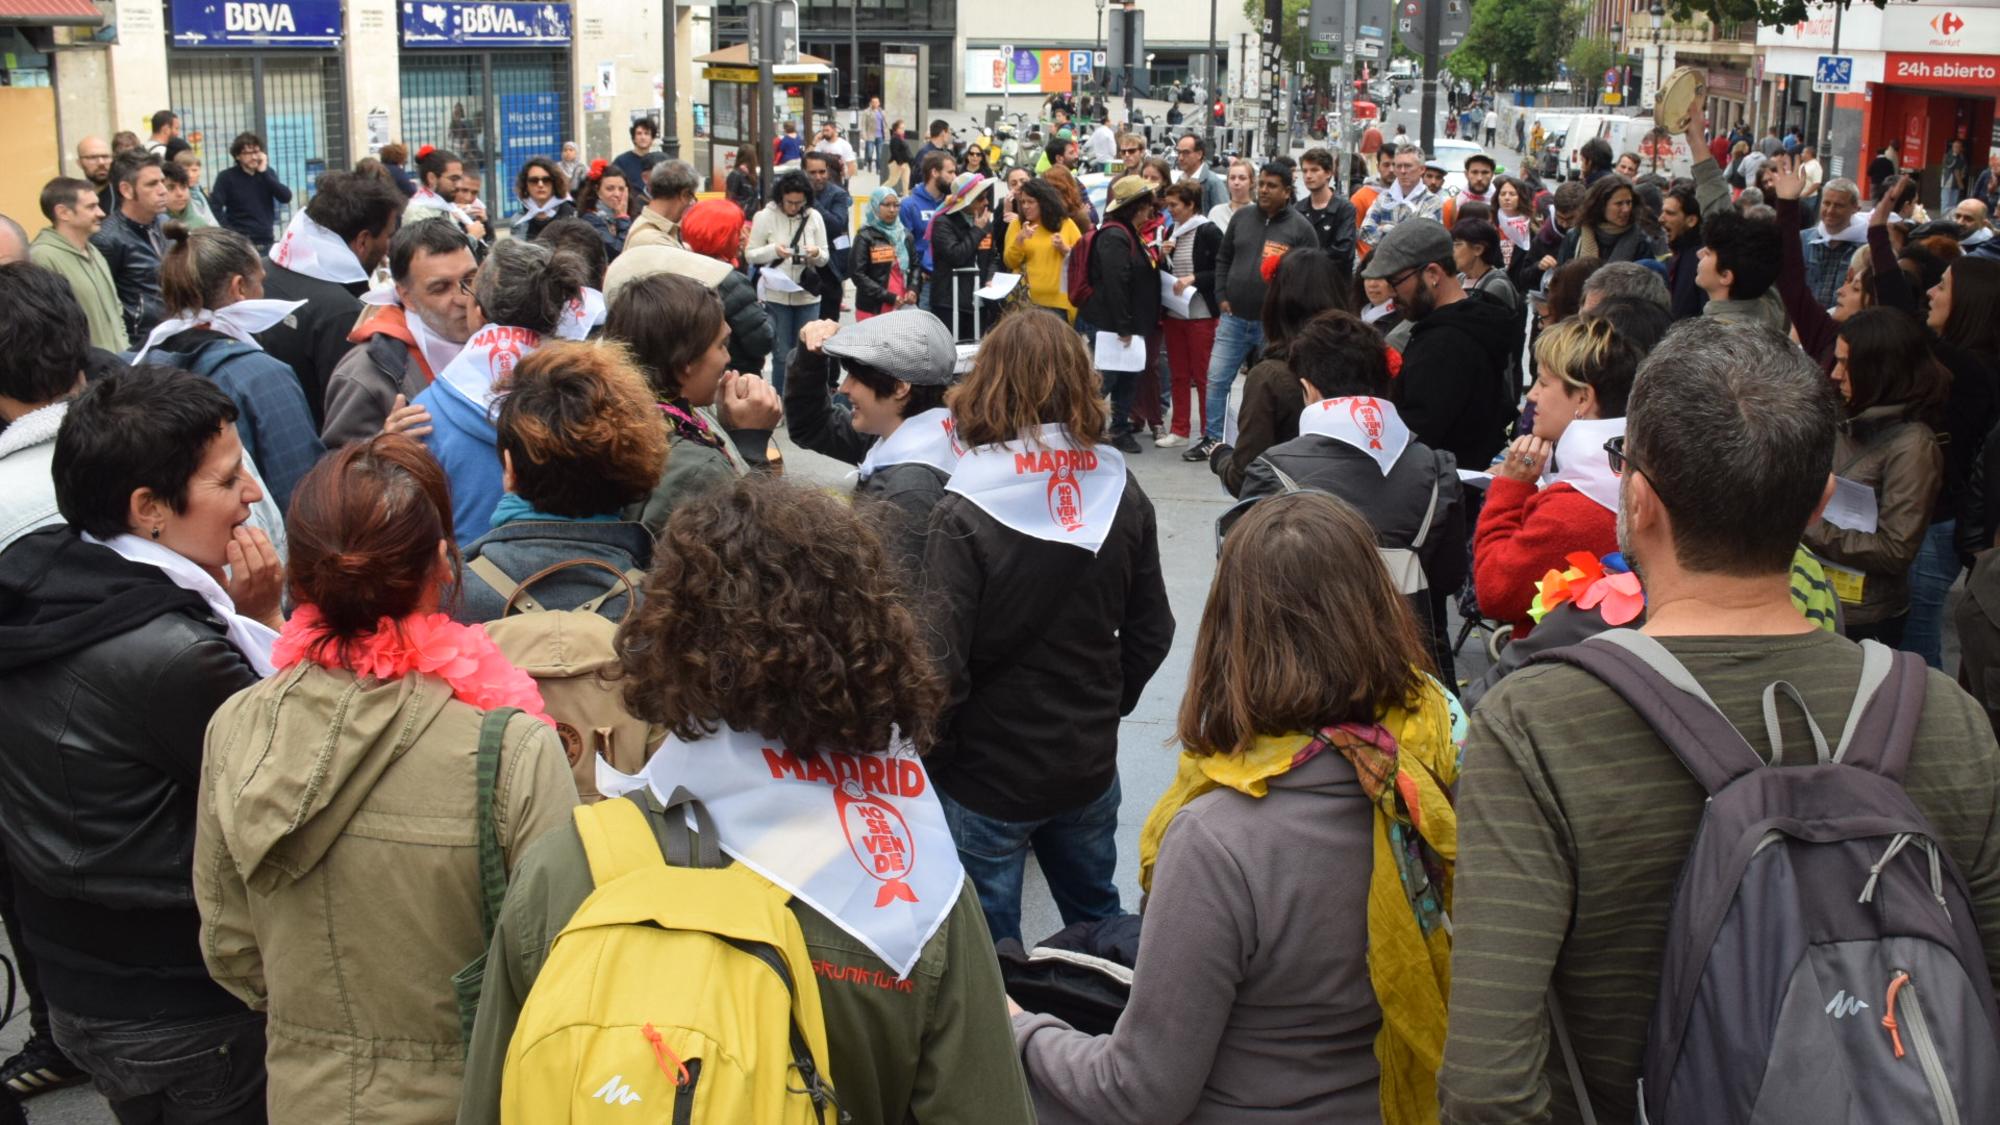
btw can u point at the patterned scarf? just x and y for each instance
(1407, 764)
(689, 424)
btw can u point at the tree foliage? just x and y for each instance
(1522, 40)
(1777, 13)
(1588, 59)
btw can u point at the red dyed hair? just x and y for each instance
(364, 528)
(713, 227)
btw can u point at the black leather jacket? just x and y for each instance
(104, 713)
(133, 250)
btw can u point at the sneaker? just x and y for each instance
(1168, 441)
(38, 1068)
(1124, 442)
(1200, 450)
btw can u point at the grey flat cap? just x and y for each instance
(1414, 242)
(907, 344)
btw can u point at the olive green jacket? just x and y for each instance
(90, 276)
(936, 1048)
(337, 871)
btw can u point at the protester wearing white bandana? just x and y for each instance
(213, 285)
(1050, 616)
(327, 254)
(119, 640)
(808, 822)
(518, 299)
(544, 195)
(1354, 444)
(788, 747)
(896, 368)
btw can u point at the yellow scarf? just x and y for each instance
(1407, 764)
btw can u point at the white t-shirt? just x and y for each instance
(1221, 213)
(1813, 174)
(836, 147)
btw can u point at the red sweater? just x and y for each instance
(1525, 532)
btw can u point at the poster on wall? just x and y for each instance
(1026, 71)
(899, 85)
(530, 125)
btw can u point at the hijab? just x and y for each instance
(893, 230)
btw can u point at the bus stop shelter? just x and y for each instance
(742, 114)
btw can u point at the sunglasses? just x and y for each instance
(1129, 150)
(540, 180)
(1614, 453)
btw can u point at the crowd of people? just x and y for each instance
(430, 700)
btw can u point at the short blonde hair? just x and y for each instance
(1589, 354)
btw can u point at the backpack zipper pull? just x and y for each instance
(1889, 1014)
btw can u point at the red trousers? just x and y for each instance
(1188, 344)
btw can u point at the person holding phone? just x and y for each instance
(246, 197)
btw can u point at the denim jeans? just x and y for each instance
(786, 320)
(1077, 851)
(157, 1072)
(871, 157)
(1235, 339)
(1931, 577)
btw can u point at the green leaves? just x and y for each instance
(1521, 39)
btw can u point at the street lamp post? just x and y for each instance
(1298, 79)
(1100, 50)
(1618, 44)
(1658, 14)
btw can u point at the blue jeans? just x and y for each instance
(786, 320)
(1077, 851)
(1931, 577)
(1235, 339)
(871, 156)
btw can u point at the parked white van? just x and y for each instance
(1667, 155)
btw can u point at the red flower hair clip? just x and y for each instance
(597, 168)
(426, 151)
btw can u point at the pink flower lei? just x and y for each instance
(463, 656)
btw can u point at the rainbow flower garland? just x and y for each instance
(1606, 585)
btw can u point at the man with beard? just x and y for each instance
(93, 158)
(1408, 198)
(400, 347)
(1453, 390)
(938, 169)
(1680, 218)
(1478, 188)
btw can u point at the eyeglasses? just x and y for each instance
(1129, 150)
(1397, 281)
(532, 180)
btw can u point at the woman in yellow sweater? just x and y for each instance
(1036, 250)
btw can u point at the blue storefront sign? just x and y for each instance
(313, 24)
(478, 23)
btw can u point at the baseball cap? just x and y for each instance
(1413, 243)
(907, 344)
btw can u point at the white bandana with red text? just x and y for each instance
(584, 312)
(1368, 424)
(488, 358)
(861, 838)
(317, 252)
(1045, 485)
(926, 439)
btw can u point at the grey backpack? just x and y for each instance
(1822, 965)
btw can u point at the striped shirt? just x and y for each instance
(1574, 820)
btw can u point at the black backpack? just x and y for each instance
(1822, 965)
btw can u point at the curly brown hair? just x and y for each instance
(580, 430)
(772, 607)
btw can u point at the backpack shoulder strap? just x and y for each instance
(509, 590)
(1888, 704)
(492, 864)
(1430, 513)
(1667, 696)
(617, 839)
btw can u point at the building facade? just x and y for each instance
(326, 82)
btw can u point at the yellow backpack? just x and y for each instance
(676, 993)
